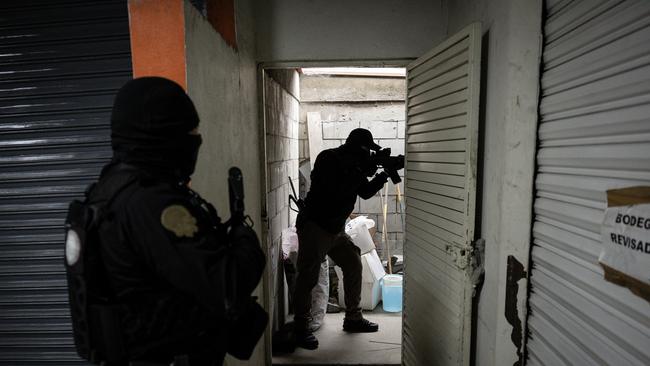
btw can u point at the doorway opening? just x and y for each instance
(306, 111)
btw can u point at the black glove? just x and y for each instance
(381, 177)
(399, 165)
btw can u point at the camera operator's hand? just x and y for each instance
(381, 177)
(369, 189)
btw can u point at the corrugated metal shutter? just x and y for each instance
(594, 135)
(441, 138)
(61, 64)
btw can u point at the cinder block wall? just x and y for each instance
(281, 111)
(349, 102)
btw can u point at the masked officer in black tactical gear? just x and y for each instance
(163, 252)
(338, 177)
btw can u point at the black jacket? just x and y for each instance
(168, 270)
(339, 175)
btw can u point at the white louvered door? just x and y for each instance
(441, 154)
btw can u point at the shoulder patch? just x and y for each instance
(179, 220)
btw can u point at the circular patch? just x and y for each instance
(179, 220)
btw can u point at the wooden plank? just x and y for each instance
(315, 135)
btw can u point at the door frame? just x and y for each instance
(264, 179)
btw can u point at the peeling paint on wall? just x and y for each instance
(515, 272)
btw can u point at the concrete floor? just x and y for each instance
(340, 348)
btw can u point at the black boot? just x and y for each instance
(303, 336)
(360, 325)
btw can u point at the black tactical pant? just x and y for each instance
(314, 244)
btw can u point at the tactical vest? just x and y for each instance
(96, 314)
(94, 311)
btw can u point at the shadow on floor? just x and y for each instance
(340, 348)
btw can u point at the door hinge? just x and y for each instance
(477, 263)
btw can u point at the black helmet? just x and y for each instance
(361, 137)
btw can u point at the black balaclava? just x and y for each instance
(150, 125)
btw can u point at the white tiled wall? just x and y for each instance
(282, 152)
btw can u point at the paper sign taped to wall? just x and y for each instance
(625, 235)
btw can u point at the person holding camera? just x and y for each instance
(339, 175)
(161, 272)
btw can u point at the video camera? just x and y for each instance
(390, 164)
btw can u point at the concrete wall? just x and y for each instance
(295, 30)
(281, 91)
(374, 103)
(223, 84)
(509, 125)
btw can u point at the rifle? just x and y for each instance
(294, 198)
(246, 319)
(236, 197)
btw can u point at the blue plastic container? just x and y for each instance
(391, 293)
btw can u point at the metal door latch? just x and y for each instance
(459, 256)
(473, 257)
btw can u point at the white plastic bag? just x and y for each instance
(289, 242)
(321, 292)
(357, 229)
(320, 295)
